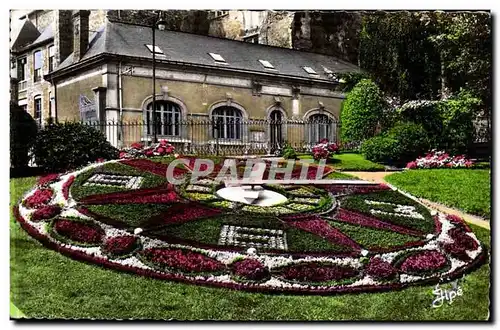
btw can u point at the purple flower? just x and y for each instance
(423, 262)
(316, 272)
(378, 268)
(182, 260)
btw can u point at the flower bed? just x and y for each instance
(182, 260)
(78, 232)
(138, 150)
(324, 149)
(46, 212)
(48, 179)
(161, 233)
(120, 246)
(67, 185)
(423, 262)
(250, 269)
(315, 272)
(440, 159)
(39, 198)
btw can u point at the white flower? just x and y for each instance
(429, 236)
(251, 251)
(364, 253)
(137, 231)
(433, 212)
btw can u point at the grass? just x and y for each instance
(88, 291)
(350, 162)
(464, 189)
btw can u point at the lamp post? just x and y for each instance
(160, 24)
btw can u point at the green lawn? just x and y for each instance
(46, 284)
(465, 189)
(350, 162)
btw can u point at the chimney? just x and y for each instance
(80, 33)
(63, 38)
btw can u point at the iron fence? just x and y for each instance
(222, 136)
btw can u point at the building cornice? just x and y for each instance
(256, 75)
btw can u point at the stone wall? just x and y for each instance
(276, 29)
(41, 18)
(328, 32)
(193, 21)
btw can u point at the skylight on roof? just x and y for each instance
(157, 49)
(309, 70)
(266, 64)
(217, 58)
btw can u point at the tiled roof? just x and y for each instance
(131, 40)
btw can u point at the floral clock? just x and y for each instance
(323, 239)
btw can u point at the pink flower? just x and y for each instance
(323, 141)
(123, 154)
(170, 149)
(149, 153)
(160, 150)
(163, 142)
(100, 160)
(411, 165)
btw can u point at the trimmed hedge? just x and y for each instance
(65, 146)
(362, 112)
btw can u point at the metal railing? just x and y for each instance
(222, 136)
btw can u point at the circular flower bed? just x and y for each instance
(324, 239)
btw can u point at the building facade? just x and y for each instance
(208, 90)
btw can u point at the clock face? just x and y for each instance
(314, 238)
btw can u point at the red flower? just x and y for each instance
(123, 154)
(182, 260)
(323, 141)
(136, 145)
(170, 149)
(332, 147)
(160, 150)
(250, 269)
(120, 245)
(78, 231)
(39, 198)
(67, 185)
(46, 212)
(149, 153)
(47, 179)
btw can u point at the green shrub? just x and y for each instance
(66, 146)
(289, 152)
(348, 80)
(458, 128)
(380, 149)
(412, 141)
(362, 112)
(449, 123)
(426, 113)
(23, 131)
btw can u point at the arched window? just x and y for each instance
(168, 117)
(321, 126)
(227, 123)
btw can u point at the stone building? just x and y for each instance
(266, 27)
(106, 74)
